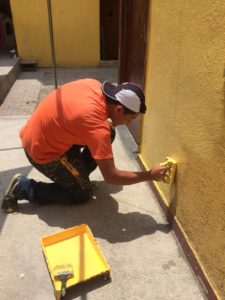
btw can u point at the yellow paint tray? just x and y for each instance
(75, 246)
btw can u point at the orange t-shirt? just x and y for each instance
(76, 113)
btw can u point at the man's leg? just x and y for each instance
(71, 183)
(70, 177)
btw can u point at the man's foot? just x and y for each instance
(9, 201)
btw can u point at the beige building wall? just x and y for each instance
(186, 121)
(76, 31)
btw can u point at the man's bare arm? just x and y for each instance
(114, 176)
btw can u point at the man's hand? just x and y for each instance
(157, 172)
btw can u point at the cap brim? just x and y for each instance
(109, 89)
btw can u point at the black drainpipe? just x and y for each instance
(52, 40)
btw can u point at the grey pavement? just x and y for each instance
(146, 261)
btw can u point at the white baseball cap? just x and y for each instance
(128, 94)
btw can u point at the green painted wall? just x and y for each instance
(186, 120)
(76, 31)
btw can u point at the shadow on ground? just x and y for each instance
(106, 222)
(102, 216)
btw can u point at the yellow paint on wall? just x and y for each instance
(76, 31)
(186, 120)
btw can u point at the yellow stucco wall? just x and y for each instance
(76, 31)
(186, 120)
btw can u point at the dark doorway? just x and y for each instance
(109, 29)
(133, 41)
(7, 37)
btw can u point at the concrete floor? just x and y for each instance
(145, 259)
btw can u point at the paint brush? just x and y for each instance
(63, 273)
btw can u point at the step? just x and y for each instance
(9, 71)
(28, 65)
